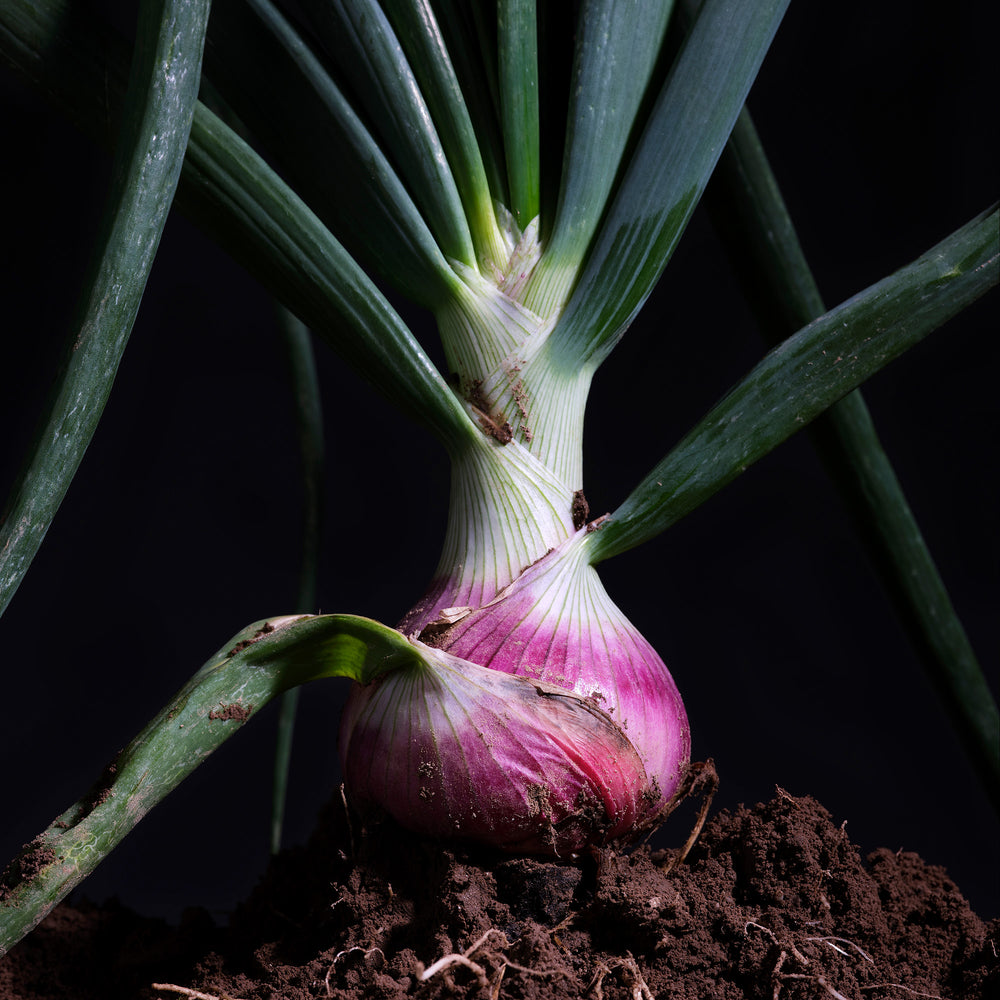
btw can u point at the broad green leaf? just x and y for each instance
(805, 375)
(749, 212)
(365, 48)
(517, 40)
(240, 202)
(159, 106)
(262, 661)
(299, 113)
(681, 142)
(617, 45)
(424, 44)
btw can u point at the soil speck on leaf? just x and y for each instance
(581, 510)
(772, 901)
(32, 859)
(234, 712)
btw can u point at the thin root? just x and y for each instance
(447, 961)
(833, 943)
(791, 947)
(186, 991)
(778, 977)
(899, 986)
(495, 995)
(819, 981)
(702, 779)
(347, 816)
(632, 978)
(365, 952)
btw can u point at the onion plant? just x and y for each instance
(523, 173)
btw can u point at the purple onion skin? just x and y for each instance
(458, 751)
(573, 636)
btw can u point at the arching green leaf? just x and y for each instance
(682, 140)
(803, 376)
(159, 106)
(366, 50)
(748, 210)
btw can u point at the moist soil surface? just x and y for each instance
(773, 902)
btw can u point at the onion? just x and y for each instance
(556, 623)
(541, 722)
(452, 749)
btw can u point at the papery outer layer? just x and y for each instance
(452, 749)
(556, 623)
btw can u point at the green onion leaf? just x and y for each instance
(617, 46)
(240, 202)
(159, 106)
(475, 63)
(262, 661)
(299, 113)
(426, 49)
(250, 211)
(747, 208)
(682, 140)
(803, 376)
(517, 39)
(360, 38)
(309, 422)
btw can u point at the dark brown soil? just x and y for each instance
(773, 902)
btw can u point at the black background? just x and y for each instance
(182, 525)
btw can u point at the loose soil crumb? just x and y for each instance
(32, 859)
(773, 902)
(227, 713)
(581, 510)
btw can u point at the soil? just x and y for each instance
(773, 902)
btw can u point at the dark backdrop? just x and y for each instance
(794, 670)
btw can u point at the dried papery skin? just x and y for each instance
(556, 623)
(451, 749)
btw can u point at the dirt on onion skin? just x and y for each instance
(774, 901)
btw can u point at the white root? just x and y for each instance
(833, 941)
(186, 991)
(455, 959)
(767, 930)
(350, 951)
(632, 977)
(900, 986)
(465, 959)
(495, 995)
(365, 952)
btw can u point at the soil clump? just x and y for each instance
(773, 902)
